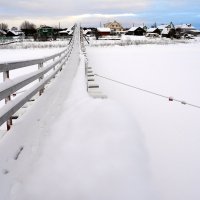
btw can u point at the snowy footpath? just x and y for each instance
(71, 146)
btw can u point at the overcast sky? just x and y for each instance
(94, 12)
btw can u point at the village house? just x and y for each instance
(102, 32)
(16, 33)
(115, 27)
(187, 29)
(138, 31)
(2, 33)
(168, 31)
(163, 26)
(154, 30)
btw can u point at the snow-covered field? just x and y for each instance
(133, 145)
(170, 130)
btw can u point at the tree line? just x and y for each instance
(28, 28)
(24, 25)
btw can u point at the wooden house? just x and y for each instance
(138, 31)
(45, 33)
(11, 33)
(153, 30)
(168, 33)
(114, 26)
(102, 32)
(187, 29)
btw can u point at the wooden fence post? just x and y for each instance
(6, 75)
(40, 65)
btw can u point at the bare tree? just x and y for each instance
(27, 25)
(3, 26)
(28, 28)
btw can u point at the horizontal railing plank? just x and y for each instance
(13, 106)
(9, 87)
(7, 66)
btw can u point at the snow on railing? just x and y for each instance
(92, 87)
(8, 88)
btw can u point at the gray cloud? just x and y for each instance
(67, 11)
(71, 7)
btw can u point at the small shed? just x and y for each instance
(103, 31)
(136, 31)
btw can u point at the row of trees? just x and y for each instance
(28, 28)
(3, 26)
(24, 25)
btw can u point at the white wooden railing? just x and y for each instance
(7, 88)
(93, 88)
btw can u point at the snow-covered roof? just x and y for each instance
(150, 30)
(86, 31)
(68, 31)
(64, 31)
(163, 26)
(165, 31)
(134, 28)
(100, 29)
(195, 31)
(13, 32)
(2, 32)
(185, 26)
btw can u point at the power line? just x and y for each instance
(148, 91)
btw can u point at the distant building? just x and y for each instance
(114, 26)
(154, 30)
(45, 33)
(102, 32)
(16, 33)
(168, 33)
(187, 29)
(66, 33)
(138, 31)
(2, 33)
(166, 26)
(14, 29)
(87, 32)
